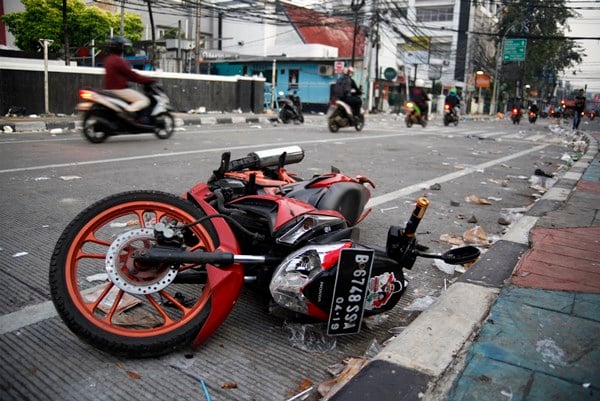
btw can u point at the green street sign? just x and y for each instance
(389, 73)
(514, 49)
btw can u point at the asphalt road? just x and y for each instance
(47, 179)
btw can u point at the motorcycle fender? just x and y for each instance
(225, 283)
(225, 287)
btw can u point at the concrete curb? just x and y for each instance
(421, 361)
(72, 124)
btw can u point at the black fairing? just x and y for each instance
(320, 290)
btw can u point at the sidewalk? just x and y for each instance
(71, 122)
(522, 324)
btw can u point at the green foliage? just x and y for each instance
(42, 19)
(549, 53)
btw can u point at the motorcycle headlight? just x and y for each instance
(306, 225)
(298, 269)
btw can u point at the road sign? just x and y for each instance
(389, 73)
(514, 49)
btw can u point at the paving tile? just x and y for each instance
(540, 339)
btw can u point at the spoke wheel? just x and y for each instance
(113, 303)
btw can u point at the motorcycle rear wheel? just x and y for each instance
(165, 126)
(155, 315)
(92, 128)
(332, 125)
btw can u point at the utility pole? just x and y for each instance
(122, 30)
(197, 47)
(65, 33)
(153, 55)
(46, 43)
(355, 7)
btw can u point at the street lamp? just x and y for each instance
(479, 102)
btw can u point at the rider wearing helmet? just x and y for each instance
(419, 97)
(119, 73)
(347, 91)
(453, 100)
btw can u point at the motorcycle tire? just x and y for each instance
(165, 126)
(301, 118)
(95, 126)
(446, 121)
(409, 123)
(456, 122)
(155, 314)
(360, 123)
(285, 116)
(423, 123)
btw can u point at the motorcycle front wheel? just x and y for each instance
(360, 122)
(165, 126)
(331, 124)
(111, 302)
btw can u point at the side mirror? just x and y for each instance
(459, 256)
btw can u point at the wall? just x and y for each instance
(22, 85)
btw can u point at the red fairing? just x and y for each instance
(225, 284)
(200, 192)
(316, 312)
(288, 208)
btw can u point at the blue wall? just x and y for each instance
(312, 87)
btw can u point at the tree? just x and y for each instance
(42, 19)
(543, 24)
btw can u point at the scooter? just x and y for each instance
(340, 115)
(104, 115)
(532, 117)
(516, 115)
(413, 116)
(290, 108)
(142, 273)
(450, 115)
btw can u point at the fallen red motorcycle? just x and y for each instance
(142, 273)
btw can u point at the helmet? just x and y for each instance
(117, 44)
(419, 82)
(453, 90)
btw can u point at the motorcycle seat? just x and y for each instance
(348, 198)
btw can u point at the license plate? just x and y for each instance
(350, 291)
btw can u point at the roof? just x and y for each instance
(318, 28)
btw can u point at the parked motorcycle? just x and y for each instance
(516, 115)
(450, 115)
(290, 108)
(142, 273)
(412, 116)
(103, 115)
(340, 115)
(532, 117)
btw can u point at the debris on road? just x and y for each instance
(477, 200)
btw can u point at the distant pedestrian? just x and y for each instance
(578, 109)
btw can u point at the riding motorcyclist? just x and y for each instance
(347, 91)
(453, 99)
(534, 109)
(119, 73)
(419, 97)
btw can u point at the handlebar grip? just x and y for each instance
(415, 218)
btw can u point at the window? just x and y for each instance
(434, 14)
(441, 47)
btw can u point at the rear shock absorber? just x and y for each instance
(401, 241)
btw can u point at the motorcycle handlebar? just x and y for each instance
(413, 222)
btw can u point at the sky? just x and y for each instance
(586, 25)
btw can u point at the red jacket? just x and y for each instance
(119, 73)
